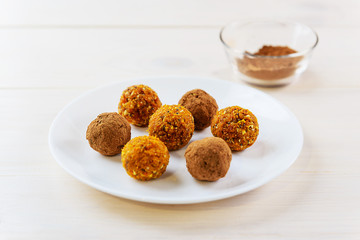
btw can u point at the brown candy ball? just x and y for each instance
(208, 159)
(201, 105)
(108, 133)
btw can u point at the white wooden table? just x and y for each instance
(54, 51)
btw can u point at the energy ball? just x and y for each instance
(208, 159)
(138, 103)
(172, 124)
(237, 126)
(145, 158)
(201, 105)
(108, 133)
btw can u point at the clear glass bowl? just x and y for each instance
(243, 40)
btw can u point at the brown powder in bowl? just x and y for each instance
(269, 68)
(268, 50)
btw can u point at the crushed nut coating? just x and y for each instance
(138, 103)
(237, 126)
(172, 124)
(145, 158)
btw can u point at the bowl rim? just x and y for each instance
(248, 54)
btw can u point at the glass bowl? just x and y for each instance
(279, 66)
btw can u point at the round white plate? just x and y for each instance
(277, 147)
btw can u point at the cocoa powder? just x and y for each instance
(266, 68)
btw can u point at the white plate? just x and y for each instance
(277, 147)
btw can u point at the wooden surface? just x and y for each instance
(54, 51)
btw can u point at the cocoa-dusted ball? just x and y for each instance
(208, 159)
(138, 103)
(173, 125)
(201, 105)
(108, 133)
(237, 126)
